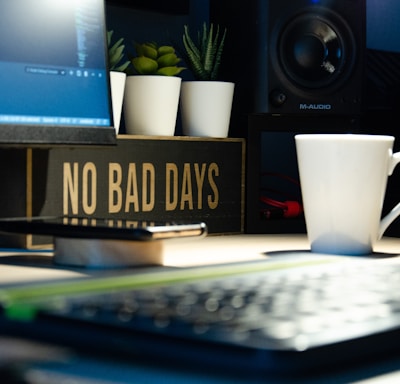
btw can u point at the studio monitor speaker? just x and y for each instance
(307, 56)
(311, 57)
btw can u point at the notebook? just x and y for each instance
(54, 81)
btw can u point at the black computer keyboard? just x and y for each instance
(262, 319)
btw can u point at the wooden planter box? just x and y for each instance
(143, 178)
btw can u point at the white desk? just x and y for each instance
(16, 267)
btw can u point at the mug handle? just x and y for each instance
(395, 212)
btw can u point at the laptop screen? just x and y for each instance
(54, 83)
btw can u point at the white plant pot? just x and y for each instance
(206, 108)
(151, 105)
(117, 82)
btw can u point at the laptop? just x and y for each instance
(54, 80)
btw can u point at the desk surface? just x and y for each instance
(27, 266)
(23, 266)
(17, 267)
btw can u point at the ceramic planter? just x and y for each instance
(117, 82)
(151, 104)
(206, 108)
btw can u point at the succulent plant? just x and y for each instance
(203, 55)
(152, 59)
(116, 52)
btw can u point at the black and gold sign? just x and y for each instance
(151, 179)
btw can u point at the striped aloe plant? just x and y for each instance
(203, 55)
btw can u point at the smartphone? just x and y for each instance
(95, 228)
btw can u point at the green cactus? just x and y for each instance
(204, 56)
(116, 54)
(152, 59)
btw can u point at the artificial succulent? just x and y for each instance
(152, 59)
(116, 53)
(203, 54)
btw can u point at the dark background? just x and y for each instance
(163, 22)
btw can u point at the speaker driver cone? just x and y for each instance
(313, 51)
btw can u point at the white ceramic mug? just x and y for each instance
(343, 182)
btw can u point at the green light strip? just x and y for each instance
(22, 303)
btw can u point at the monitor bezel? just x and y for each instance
(46, 136)
(49, 135)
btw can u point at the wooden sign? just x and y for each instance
(142, 178)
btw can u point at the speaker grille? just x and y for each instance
(314, 50)
(383, 80)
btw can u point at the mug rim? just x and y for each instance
(344, 136)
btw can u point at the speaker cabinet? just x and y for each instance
(312, 57)
(271, 167)
(307, 55)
